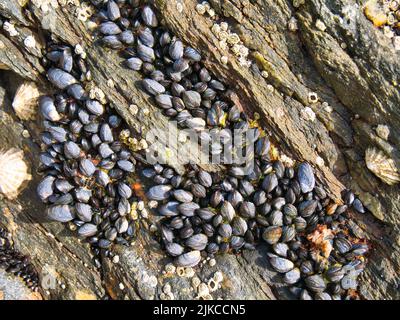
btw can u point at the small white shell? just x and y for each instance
(26, 100)
(13, 172)
(382, 166)
(383, 131)
(202, 290)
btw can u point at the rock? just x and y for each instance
(296, 66)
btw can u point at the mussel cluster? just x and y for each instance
(209, 213)
(16, 263)
(87, 168)
(85, 165)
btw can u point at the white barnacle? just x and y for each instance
(202, 290)
(224, 59)
(264, 74)
(325, 105)
(133, 108)
(244, 62)
(26, 101)
(143, 144)
(140, 205)
(125, 134)
(91, 25)
(319, 161)
(26, 134)
(394, 5)
(224, 26)
(244, 51)
(200, 9)
(88, 75)
(396, 43)
(223, 45)
(98, 94)
(153, 281)
(179, 7)
(153, 228)
(182, 137)
(382, 166)
(383, 131)
(287, 160)
(270, 87)
(218, 276)
(312, 97)
(195, 282)
(13, 172)
(292, 24)
(236, 49)
(206, 5)
(115, 259)
(388, 32)
(110, 83)
(84, 12)
(320, 25)
(29, 42)
(308, 114)
(223, 35)
(391, 19)
(233, 38)
(216, 28)
(163, 296)
(167, 288)
(134, 214)
(170, 296)
(79, 49)
(153, 204)
(144, 213)
(212, 262)
(145, 111)
(212, 285)
(189, 272)
(180, 271)
(10, 28)
(170, 269)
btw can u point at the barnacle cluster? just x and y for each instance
(228, 40)
(386, 15)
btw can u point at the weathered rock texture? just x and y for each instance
(351, 65)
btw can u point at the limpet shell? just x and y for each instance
(13, 172)
(26, 101)
(382, 166)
